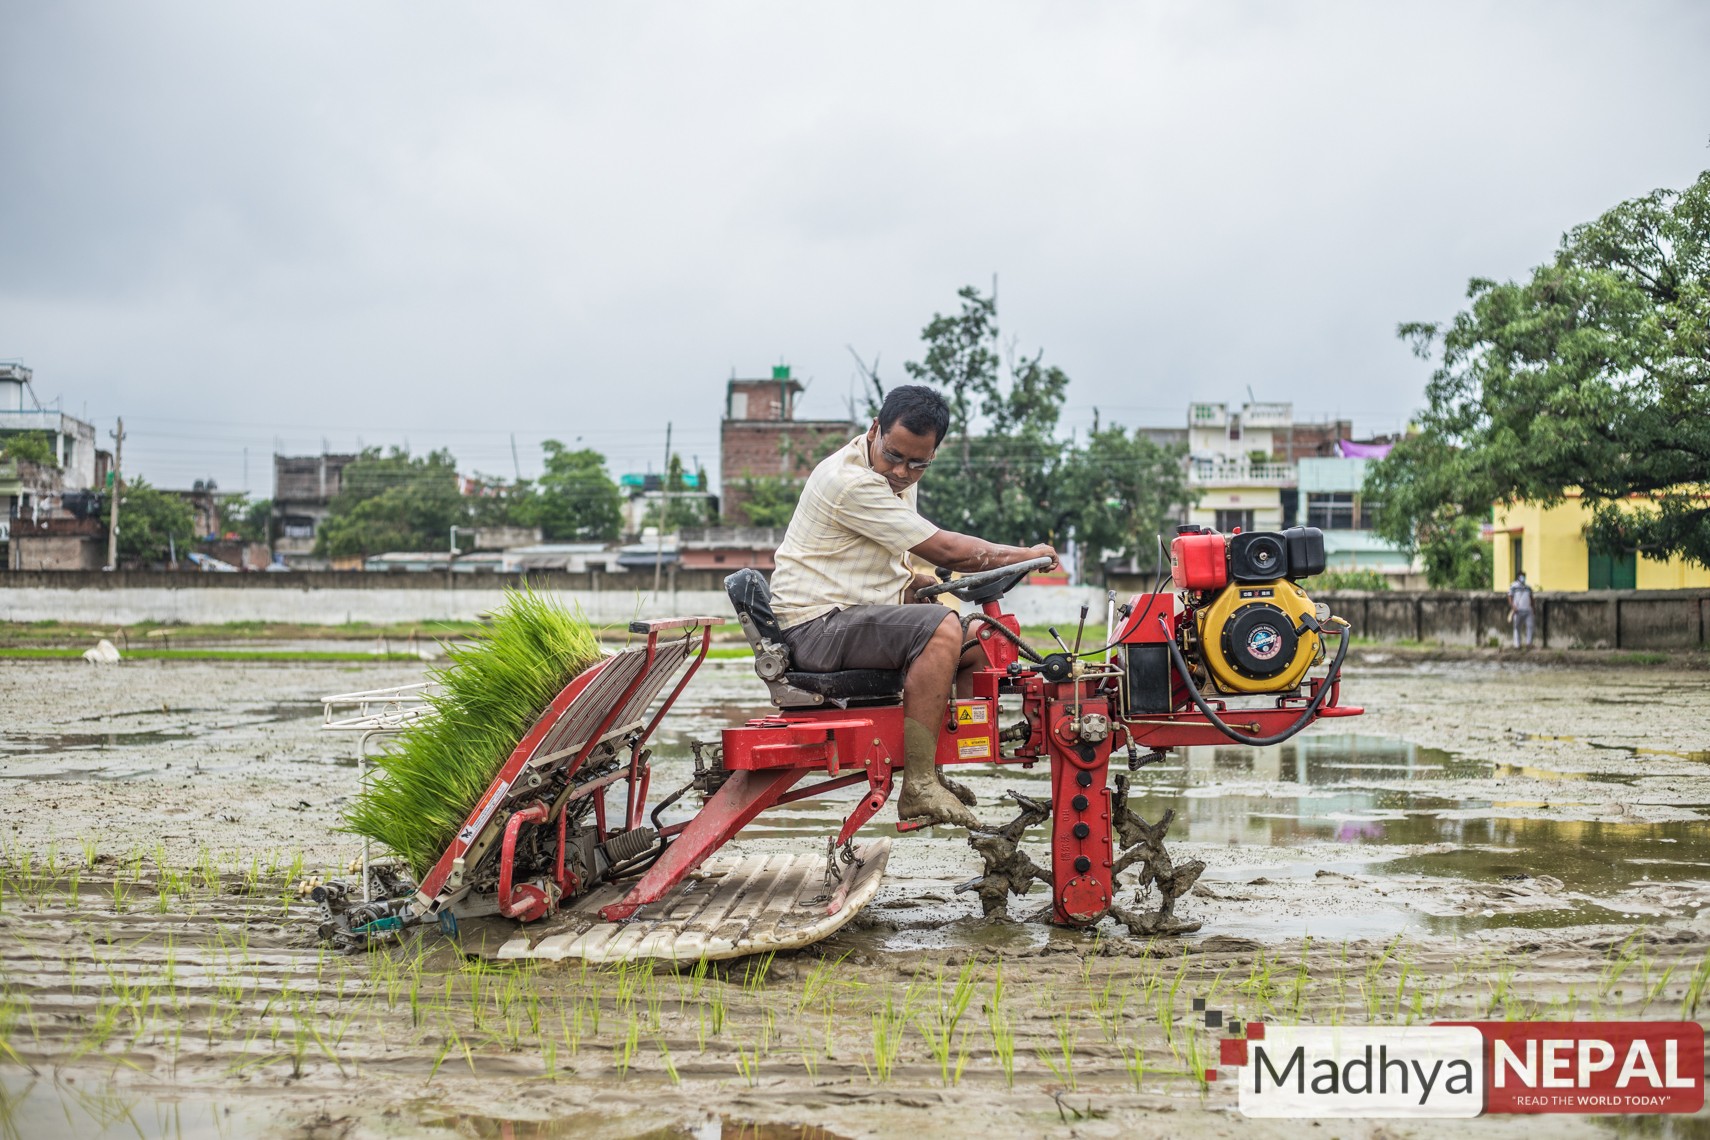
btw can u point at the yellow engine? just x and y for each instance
(1259, 637)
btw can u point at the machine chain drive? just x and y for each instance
(1009, 871)
(1143, 843)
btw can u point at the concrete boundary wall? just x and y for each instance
(1595, 619)
(99, 600)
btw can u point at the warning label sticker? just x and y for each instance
(971, 714)
(974, 749)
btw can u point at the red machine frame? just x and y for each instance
(1074, 723)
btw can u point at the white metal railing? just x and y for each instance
(375, 713)
(1212, 473)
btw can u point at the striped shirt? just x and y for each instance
(848, 541)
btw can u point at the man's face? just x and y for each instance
(892, 453)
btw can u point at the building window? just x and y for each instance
(1366, 515)
(1227, 521)
(1516, 553)
(1331, 511)
(296, 526)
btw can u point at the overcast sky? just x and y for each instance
(261, 226)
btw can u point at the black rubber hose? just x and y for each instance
(1306, 716)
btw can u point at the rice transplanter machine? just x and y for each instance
(564, 846)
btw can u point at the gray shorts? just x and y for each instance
(864, 637)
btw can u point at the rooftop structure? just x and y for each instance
(760, 437)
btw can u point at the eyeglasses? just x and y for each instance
(894, 459)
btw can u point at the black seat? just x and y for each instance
(752, 598)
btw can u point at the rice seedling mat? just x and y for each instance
(617, 695)
(727, 909)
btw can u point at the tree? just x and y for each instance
(1594, 373)
(1122, 490)
(575, 500)
(32, 447)
(247, 518)
(686, 508)
(1002, 482)
(769, 500)
(151, 521)
(394, 502)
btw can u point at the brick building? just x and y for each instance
(761, 438)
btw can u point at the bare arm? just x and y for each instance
(969, 555)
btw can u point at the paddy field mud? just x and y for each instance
(1494, 838)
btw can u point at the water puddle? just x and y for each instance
(99, 1108)
(1378, 801)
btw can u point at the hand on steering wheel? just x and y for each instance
(964, 586)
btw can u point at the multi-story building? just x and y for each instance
(760, 438)
(1333, 499)
(1231, 465)
(303, 490)
(73, 440)
(51, 517)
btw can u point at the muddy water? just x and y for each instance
(1534, 834)
(1351, 804)
(1456, 838)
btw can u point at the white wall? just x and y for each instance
(1035, 605)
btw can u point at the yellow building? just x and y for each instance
(1548, 543)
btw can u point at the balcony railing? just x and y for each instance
(1212, 473)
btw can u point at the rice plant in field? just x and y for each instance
(491, 692)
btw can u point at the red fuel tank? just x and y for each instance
(1199, 562)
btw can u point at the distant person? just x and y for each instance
(1520, 608)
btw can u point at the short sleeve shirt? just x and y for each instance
(848, 542)
(1520, 596)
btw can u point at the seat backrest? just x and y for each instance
(751, 596)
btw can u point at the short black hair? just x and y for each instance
(920, 409)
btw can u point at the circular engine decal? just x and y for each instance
(1264, 642)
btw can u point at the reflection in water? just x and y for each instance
(1369, 793)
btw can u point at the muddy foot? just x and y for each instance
(933, 804)
(958, 789)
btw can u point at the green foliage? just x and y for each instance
(1001, 482)
(491, 692)
(148, 518)
(769, 500)
(30, 446)
(1335, 581)
(493, 501)
(1124, 490)
(393, 502)
(1458, 559)
(575, 500)
(247, 518)
(689, 510)
(1593, 373)
(1003, 471)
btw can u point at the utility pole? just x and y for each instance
(113, 496)
(664, 513)
(516, 464)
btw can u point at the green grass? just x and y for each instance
(50, 632)
(491, 692)
(36, 653)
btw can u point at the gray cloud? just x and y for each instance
(236, 225)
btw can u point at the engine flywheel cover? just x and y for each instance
(1259, 641)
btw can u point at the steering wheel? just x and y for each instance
(987, 585)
